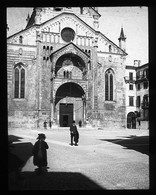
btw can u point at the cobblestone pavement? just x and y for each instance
(105, 159)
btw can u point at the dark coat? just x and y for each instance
(74, 131)
(36, 160)
(76, 137)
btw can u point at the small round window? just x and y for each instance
(68, 34)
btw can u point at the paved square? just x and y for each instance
(105, 159)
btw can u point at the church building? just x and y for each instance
(62, 68)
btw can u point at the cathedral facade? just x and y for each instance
(62, 68)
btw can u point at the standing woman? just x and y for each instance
(40, 153)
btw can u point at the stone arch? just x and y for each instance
(70, 59)
(71, 51)
(69, 104)
(65, 82)
(19, 64)
(68, 89)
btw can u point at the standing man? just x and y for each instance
(80, 123)
(50, 123)
(74, 134)
(45, 124)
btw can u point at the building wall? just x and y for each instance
(25, 107)
(111, 113)
(143, 124)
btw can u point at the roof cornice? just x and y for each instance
(68, 13)
(35, 25)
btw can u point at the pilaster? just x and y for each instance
(38, 66)
(95, 60)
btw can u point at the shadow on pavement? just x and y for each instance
(140, 144)
(18, 154)
(54, 181)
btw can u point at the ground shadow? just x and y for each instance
(54, 181)
(13, 138)
(140, 144)
(18, 154)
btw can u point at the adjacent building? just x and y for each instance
(137, 95)
(142, 95)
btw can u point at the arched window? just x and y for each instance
(16, 83)
(22, 83)
(89, 52)
(110, 48)
(20, 39)
(19, 86)
(64, 73)
(109, 85)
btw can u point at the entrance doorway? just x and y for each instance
(131, 120)
(66, 115)
(65, 120)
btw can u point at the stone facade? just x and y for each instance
(65, 59)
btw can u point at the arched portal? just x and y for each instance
(68, 59)
(69, 104)
(131, 120)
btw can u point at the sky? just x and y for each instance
(134, 21)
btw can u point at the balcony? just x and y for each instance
(130, 79)
(141, 78)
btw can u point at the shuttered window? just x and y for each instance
(131, 101)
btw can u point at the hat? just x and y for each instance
(41, 135)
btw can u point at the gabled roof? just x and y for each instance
(94, 31)
(22, 31)
(67, 13)
(95, 11)
(31, 19)
(113, 43)
(142, 66)
(71, 43)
